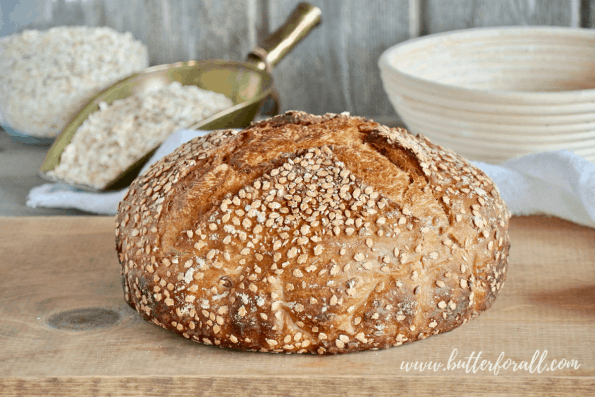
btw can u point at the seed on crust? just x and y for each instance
(349, 242)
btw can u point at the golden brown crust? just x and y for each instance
(318, 234)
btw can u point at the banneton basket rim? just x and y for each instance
(388, 68)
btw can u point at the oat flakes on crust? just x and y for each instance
(312, 234)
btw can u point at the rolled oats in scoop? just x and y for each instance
(115, 137)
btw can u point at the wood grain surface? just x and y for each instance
(173, 30)
(333, 70)
(441, 16)
(65, 329)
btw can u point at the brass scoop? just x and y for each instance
(247, 84)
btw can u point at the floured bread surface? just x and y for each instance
(312, 234)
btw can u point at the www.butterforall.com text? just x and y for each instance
(474, 363)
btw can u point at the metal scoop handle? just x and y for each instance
(302, 20)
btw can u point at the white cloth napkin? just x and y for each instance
(557, 183)
(56, 195)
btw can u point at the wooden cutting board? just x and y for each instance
(65, 329)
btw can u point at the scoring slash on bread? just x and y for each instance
(312, 234)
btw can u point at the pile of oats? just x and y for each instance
(47, 75)
(116, 136)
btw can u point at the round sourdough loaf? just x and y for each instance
(312, 234)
